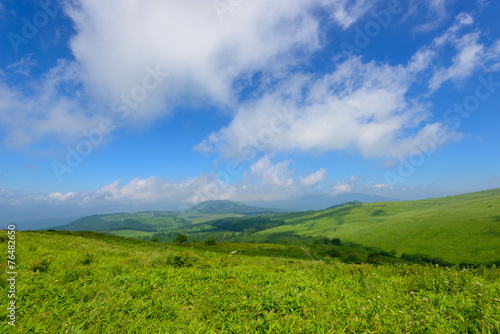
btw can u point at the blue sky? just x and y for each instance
(142, 105)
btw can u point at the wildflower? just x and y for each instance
(400, 311)
(425, 299)
(412, 293)
(497, 300)
(379, 297)
(479, 294)
(478, 284)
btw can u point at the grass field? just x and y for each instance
(458, 229)
(464, 228)
(96, 283)
(132, 233)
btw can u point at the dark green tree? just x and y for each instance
(373, 258)
(180, 238)
(336, 242)
(210, 241)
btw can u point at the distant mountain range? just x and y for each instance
(215, 207)
(40, 224)
(320, 201)
(226, 206)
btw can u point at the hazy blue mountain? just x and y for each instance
(321, 201)
(40, 224)
(226, 206)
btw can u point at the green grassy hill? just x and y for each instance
(463, 228)
(82, 282)
(145, 222)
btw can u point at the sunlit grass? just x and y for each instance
(106, 284)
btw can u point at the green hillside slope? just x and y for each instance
(80, 282)
(141, 222)
(463, 228)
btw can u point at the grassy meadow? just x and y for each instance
(463, 228)
(83, 282)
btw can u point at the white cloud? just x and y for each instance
(59, 196)
(492, 56)
(346, 12)
(341, 187)
(360, 106)
(24, 65)
(268, 173)
(208, 60)
(314, 178)
(471, 53)
(30, 117)
(435, 14)
(204, 54)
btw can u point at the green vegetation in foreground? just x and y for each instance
(95, 283)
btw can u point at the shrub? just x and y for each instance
(336, 242)
(180, 238)
(210, 241)
(187, 259)
(41, 265)
(333, 253)
(353, 258)
(87, 259)
(373, 258)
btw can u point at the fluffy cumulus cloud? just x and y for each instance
(274, 174)
(361, 106)
(203, 53)
(136, 60)
(314, 178)
(133, 73)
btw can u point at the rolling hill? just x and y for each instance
(127, 224)
(145, 223)
(462, 228)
